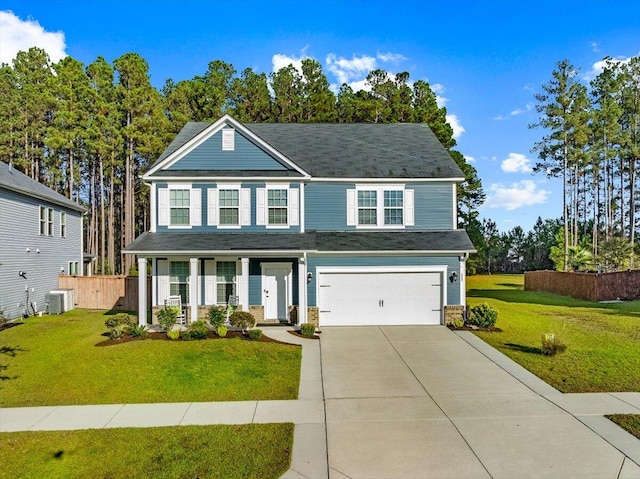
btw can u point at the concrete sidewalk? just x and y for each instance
(404, 402)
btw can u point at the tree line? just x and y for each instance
(89, 132)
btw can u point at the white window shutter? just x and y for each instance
(162, 270)
(209, 282)
(212, 207)
(352, 208)
(408, 208)
(261, 206)
(163, 206)
(245, 206)
(294, 206)
(196, 206)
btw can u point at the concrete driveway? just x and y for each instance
(420, 402)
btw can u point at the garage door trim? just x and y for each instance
(439, 269)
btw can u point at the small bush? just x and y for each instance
(167, 318)
(243, 320)
(139, 331)
(119, 325)
(551, 345)
(173, 334)
(307, 329)
(457, 323)
(217, 316)
(255, 333)
(483, 316)
(117, 332)
(198, 330)
(221, 331)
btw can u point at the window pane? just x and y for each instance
(277, 197)
(179, 197)
(367, 216)
(229, 216)
(179, 216)
(393, 216)
(226, 271)
(393, 199)
(367, 199)
(179, 280)
(277, 216)
(229, 197)
(224, 291)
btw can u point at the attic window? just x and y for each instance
(228, 140)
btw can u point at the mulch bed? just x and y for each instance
(490, 329)
(10, 325)
(163, 337)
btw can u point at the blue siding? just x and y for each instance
(19, 230)
(326, 206)
(452, 263)
(251, 228)
(209, 156)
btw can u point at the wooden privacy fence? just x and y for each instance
(104, 292)
(624, 285)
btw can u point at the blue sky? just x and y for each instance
(485, 59)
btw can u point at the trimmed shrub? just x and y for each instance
(217, 316)
(139, 331)
(198, 330)
(307, 329)
(167, 318)
(173, 334)
(243, 320)
(255, 333)
(483, 316)
(457, 323)
(119, 325)
(221, 331)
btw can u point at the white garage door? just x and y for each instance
(358, 298)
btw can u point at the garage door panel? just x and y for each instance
(379, 298)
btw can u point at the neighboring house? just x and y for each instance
(335, 224)
(40, 238)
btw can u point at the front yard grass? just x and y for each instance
(247, 451)
(629, 422)
(603, 340)
(53, 360)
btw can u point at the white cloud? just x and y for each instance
(595, 47)
(347, 71)
(470, 159)
(516, 163)
(391, 57)
(280, 61)
(19, 35)
(438, 89)
(515, 195)
(458, 129)
(518, 111)
(598, 66)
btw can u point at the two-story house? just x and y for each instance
(336, 224)
(40, 238)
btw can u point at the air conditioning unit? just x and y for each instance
(55, 302)
(68, 298)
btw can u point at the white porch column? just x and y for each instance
(142, 291)
(302, 290)
(243, 284)
(462, 280)
(193, 289)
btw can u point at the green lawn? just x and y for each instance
(247, 451)
(53, 360)
(630, 422)
(603, 340)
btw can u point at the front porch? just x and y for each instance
(273, 289)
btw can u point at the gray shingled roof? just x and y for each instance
(396, 241)
(14, 180)
(349, 150)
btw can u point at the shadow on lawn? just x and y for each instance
(11, 352)
(532, 297)
(524, 349)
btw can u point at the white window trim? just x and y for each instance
(48, 224)
(407, 206)
(228, 139)
(63, 224)
(244, 205)
(195, 206)
(223, 301)
(293, 206)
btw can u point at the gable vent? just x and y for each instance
(228, 139)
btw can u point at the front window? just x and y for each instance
(393, 207)
(229, 201)
(179, 280)
(225, 280)
(179, 204)
(63, 224)
(277, 205)
(367, 208)
(46, 221)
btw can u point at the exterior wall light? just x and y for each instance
(309, 277)
(453, 277)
